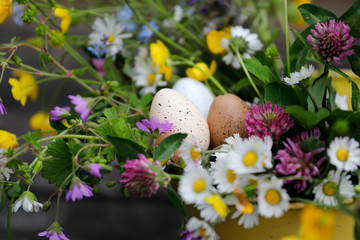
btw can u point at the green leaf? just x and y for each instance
(305, 118)
(281, 94)
(354, 60)
(168, 146)
(352, 18)
(355, 97)
(111, 73)
(263, 73)
(311, 144)
(59, 149)
(313, 14)
(178, 203)
(352, 118)
(318, 91)
(15, 191)
(58, 171)
(126, 147)
(57, 125)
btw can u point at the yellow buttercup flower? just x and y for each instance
(7, 140)
(24, 87)
(40, 121)
(213, 40)
(5, 9)
(64, 15)
(197, 74)
(160, 54)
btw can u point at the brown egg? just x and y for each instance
(226, 116)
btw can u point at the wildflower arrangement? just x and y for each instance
(152, 72)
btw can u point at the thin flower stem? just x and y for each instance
(312, 99)
(174, 176)
(58, 204)
(287, 37)
(68, 136)
(246, 71)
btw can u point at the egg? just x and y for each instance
(197, 92)
(226, 116)
(174, 107)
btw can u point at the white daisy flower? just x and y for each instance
(325, 191)
(296, 77)
(145, 74)
(223, 176)
(247, 42)
(250, 156)
(195, 185)
(340, 102)
(213, 208)
(268, 143)
(28, 202)
(248, 220)
(108, 31)
(272, 199)
(190, 152)
(201, 228)
(344, 153)
(4, 171)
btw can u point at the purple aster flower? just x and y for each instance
(59, 113)
(146, 33)
(267, 120)
(154, 126)
(295, 162)
(54, 232)
(78, 191)
(81, 106)
(142, 177)
(95, 169)
(2, 108)
(332, 40)
(126, 14)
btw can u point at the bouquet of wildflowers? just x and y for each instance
(232, 105)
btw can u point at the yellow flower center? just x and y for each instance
(273, 197)
(111, 39)
(342, 154)
(194, 154)
(230, 176)
(250, 159)
(151, 79)
(329, 188)
(202, 233)
(248, 208)
(199, 185)
(218, 205)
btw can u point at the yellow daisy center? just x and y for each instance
(202, 233)
(111, 39)
(199, 185)
(194, 154)
(248, 208)
(329, 188)
(250, 159)
(151, 79)
(230, 176)
(273, 197)
(342, 154)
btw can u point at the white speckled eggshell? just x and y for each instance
(197, 92)
(174, 107)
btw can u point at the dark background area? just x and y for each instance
(107, 215)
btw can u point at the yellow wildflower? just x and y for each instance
(160, 54)
(197, 74)
(5, 9)
(7, 140)
(296, 17)
(213, 40)
(24, 87)
(40, 121)
(64, 15)
(218, 205)
(291, 238)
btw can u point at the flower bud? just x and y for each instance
(46, 206)
(29, 15)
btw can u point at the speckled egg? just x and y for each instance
(226, 116)
(174, 107)
(197, 92)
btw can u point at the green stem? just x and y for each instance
(9, 217)
(239, 56)
(68, 136)
(174, 176)
(58, 204)
(287, 37)
(312, 99)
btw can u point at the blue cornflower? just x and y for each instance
(146, 33)
(17, 13)
(126, 14)
(98, 50)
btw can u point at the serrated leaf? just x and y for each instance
(281, 94)
(178, 203)
(305, 118)
(59, 149)
(15, 191)
(126, 147)
(58, 171)
(168, 146)
(263, 73)
(313, 14)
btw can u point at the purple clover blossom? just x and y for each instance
(59, 113)
(267, 120)
(146, 33)
(294, 162)
(95, 169)
(78, 191)
(142, 177)
(126, 14)
(154, 125)
(2, 108)
(98, 50)
(81, 107)
(332, 40)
